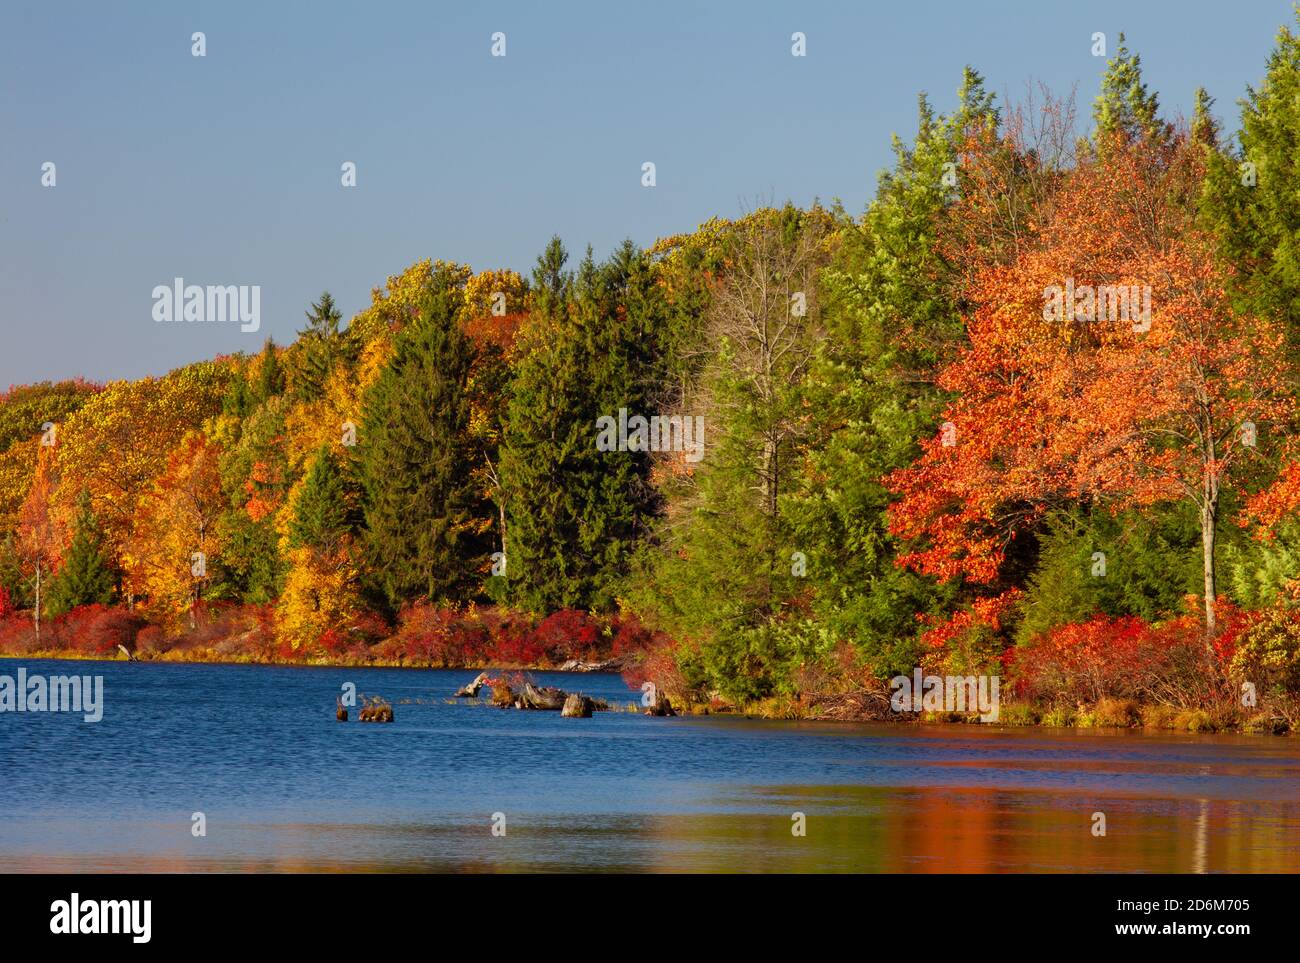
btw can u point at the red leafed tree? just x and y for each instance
(1072, 390)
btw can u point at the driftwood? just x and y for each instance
(471, 689)
(127, 652)
(577, 665)
(545, 697)
(526, 695)
(853, 707)
(577, 707)
(340, 713)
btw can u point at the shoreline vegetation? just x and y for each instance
(865, 706)
(839, 707)
(1033, 416)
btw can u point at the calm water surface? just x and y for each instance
(285, 787)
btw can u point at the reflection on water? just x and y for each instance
(285, 788)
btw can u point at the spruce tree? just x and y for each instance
(270, 376)
(320, 510)
(321, 345)
(238, 401)
(86, 577)
(545, 431)
(426, 522)
(574, 514)
(1125, 106)
(1250, 204)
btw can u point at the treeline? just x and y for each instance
(1033, 413)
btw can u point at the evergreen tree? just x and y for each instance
(893, 318)
(1250, 204)
(1125, 107)
(545, 430)
(575, 514)
(1150, 559)
(1205, 127)
(86, 577)
(238, 400)
(425, 520)
(320, 511)
(270, 375)
(321, 345)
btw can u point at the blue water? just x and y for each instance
(283, 786)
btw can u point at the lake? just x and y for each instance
(284, 787)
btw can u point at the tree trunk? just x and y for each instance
(1207, 551)
(1209, 518)
(36, 612)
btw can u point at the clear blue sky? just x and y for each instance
(225, 169)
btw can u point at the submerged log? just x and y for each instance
(470, 690)
(577, 707)
(545, 697)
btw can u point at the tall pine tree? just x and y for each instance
(575, 514)
(1250, 203)
(321, 346)
(426, 522)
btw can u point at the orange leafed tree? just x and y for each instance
(1072, 389)
(41, 536)
(174, 541)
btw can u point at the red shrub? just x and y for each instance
(17, 635)
(659, 664)
(429, 635)
(632, 638)
(354, 640)
(515, 644)
(151, 640)
(95, 629)
(568, 634)
(1126, 657)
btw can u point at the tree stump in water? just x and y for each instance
(577, 707)
(502, 696)
(376, 709)
(470, 690)
(546, 697)
(662, 707)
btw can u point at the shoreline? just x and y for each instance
(1113, 715)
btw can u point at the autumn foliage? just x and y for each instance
(1106, 403)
